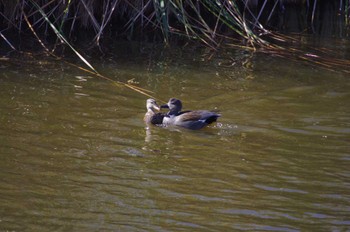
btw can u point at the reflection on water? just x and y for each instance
(76, 155)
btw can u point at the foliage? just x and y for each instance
(209, 21)
(216, 23)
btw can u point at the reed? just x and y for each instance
(251, 24)
(208, 20)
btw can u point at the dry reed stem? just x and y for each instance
(188, 14)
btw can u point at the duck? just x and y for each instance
(151, 117)
(193, 120)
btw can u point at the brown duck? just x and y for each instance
(151, 117)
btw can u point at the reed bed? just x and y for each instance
(209, 21)
(249, 24)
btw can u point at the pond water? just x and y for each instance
(76, 155)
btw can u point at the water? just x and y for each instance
(76, 155)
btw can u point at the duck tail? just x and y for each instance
(212, 118)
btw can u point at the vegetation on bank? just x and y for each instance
(209, 21)
(251, 24)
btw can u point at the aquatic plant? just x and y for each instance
(251, 24)
(209, 21)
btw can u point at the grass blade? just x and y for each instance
(63, 39)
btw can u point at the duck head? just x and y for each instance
(174, 105)
(152, 105)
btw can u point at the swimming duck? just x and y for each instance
(188, 119)
(151, 116)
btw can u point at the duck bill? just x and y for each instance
(164, 106)
(156, 108)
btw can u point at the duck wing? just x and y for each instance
(199, 115)
(183, 112)
(189, 116)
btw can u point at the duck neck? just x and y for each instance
(150, 111)
(173, 112)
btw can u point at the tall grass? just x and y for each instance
(253, 24)
(209, 21)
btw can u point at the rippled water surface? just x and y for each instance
(76, 155)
